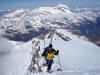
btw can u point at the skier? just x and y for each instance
(49, 53)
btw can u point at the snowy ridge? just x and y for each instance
(18, 11)
(78, 57)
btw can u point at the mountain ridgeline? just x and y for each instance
(24, 24)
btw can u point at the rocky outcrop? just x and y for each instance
(65, 38)
(35, 62)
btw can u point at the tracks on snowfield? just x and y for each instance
(65, 73)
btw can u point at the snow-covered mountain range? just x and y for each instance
(24, 24)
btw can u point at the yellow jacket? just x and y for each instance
(49, 53)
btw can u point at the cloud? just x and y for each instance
(5, 47)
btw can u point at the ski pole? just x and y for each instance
(44, 41)
(59, 62)
(44, 49)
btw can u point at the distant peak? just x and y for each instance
(62, 6)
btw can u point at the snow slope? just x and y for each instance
(78, 57)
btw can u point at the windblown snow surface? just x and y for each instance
(77, 56)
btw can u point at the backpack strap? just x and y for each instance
(48, 51)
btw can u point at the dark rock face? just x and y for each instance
(26, 36)
(89, 29)
(65, 38)
(95, 39)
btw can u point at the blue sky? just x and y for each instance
(15, 4)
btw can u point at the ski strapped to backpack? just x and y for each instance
(52, 33)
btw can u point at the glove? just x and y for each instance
(43, 54)
(57, 51)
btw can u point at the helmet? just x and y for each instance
(50, 45)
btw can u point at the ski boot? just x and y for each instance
(49, 71)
